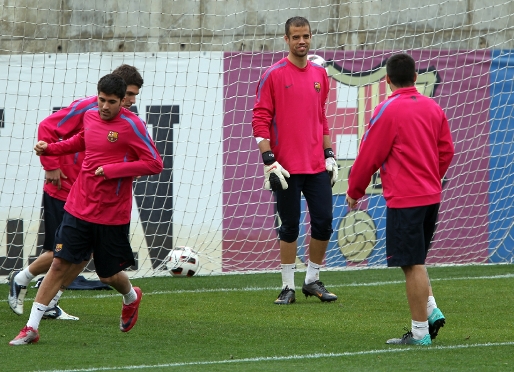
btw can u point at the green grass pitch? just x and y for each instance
(229, 323)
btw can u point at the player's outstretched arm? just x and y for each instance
(69, 146)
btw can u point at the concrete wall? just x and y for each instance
(73, 26)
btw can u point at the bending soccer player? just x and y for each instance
(60, 174)
(409, 139)
(97, 213)
(291, 130)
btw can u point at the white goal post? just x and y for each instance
(201, 61)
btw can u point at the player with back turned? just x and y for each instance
(409, 140)
(98, 209)
(290, 126)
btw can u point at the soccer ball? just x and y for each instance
(182, 262)
(316, 59)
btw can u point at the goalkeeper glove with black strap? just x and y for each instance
(273, 173)
(331, 166)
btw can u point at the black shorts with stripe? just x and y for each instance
(76, 239)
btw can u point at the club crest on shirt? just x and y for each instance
(317, 86)
(112, 136)
(58, 247)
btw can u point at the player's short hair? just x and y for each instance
(112, 84)
(130, 74)
(401, 69)
(296, 22)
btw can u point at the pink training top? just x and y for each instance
(59, 126)
(289, 110)
(409, 139)
(124, 149)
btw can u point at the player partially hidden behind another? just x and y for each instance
(60, 174)
(97, 213)
(409, 139)
(290, 126)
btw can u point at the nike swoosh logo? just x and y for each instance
(125, 325)
(289, 86)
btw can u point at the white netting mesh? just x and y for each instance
(201, 61)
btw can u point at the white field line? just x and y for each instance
(257, 289)
(287, 357)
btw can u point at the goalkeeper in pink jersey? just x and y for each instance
(60, 174)
(97, 212)
(409, 140)
(290, 126)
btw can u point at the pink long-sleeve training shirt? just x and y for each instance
(123, 147)
(289, 110)
(409, 139)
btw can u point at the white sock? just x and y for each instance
(36, 314)
(288, 275)
(24, 277)
(431, 305)
(419, 329)
(130, 297)
(312, 272)
(55, 300)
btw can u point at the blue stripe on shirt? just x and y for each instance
(74, 111)
(145, 138)
(120, 180)
(265, 77)
(275, 129)
(374, 119)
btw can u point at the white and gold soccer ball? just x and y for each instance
(182, 262)
(314, 58)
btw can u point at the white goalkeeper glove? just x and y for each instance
(331, 166)
(274, 173)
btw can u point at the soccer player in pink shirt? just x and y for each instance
(290, 126)
(97, 212)
(408, 138)
(60, 174)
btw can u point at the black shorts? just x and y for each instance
(317, 190)
(76, 239)
(53, 211)
(409, 232)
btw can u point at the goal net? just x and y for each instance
(201, 62)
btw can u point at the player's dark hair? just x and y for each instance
(296, 22)
(130, 74)
(112, 84)
(401, 69)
